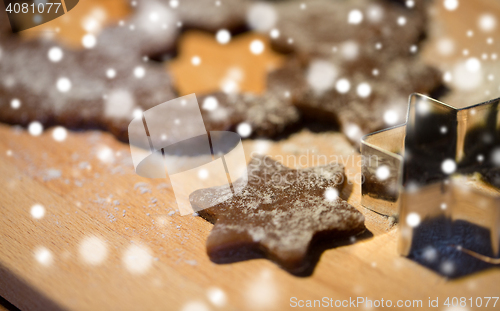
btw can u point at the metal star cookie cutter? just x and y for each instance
(439, 173)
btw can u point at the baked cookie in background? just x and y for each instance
(77, 89)
(356, 62)
(5, 29)
(232, 64)
(279, 215)
(62, 72)
(89, 17)
(358, 103)
(317, 27)
(346, 63)
(237, 67)
(464, 44)
(211, 15)
(146, 26)
(264, 115)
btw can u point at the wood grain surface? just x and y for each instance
(111, 240)
(154, 258)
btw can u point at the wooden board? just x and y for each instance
(144, 256)
(156, 259)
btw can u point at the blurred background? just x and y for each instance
(81, 231)
(325, 61)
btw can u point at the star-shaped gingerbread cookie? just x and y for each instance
(278, 214)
